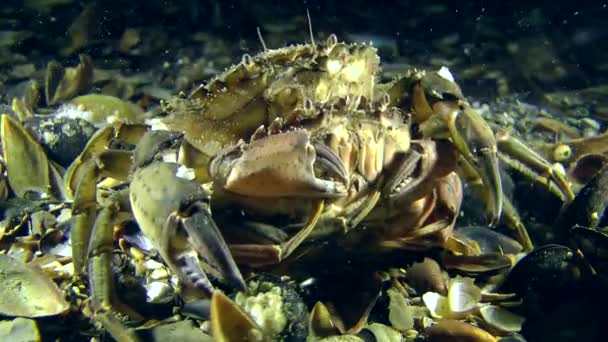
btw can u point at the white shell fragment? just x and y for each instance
(157, 124)
(185, 173)
(158, 292)
(463, 298)
(501, 318)
(445, 73)
(437, 304)
(159, 274)
(463, 295)
(151, 264)
(27, 291)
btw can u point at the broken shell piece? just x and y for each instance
(26, 163)
(401, 313)
(54, 242)
(62, 84)
(320, 323)
(501, 318)
(384, 333)
(451, 330)
(55, 269)
(25, 106)
(445, 73)
(152, 264)
(437, 304)
(159, 274)
(463, 295)
(426, 276)
(19, 329)
(158, 292)
(398, 313)
(230, 323)
(27, 291)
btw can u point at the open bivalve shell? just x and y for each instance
(462, 299)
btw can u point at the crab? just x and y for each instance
(304, 133)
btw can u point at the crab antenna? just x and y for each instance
(261, 39)
(312, 38)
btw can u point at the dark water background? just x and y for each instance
(571, 35)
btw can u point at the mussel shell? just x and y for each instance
(512, 338)
(477, 264)
(26, 162)
(588, 206)
(380, 332)
(489, 241)
(64, 138)
(502, 319)
(587, 166)
(546, 269)
(594, 246)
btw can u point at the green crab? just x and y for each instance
(304, 132)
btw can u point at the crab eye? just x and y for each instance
(248, 61)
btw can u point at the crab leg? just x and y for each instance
(111, 163)
(359, 211)
(474, 140)
(97, 144)
(510, 216)
(529, 163)
(103, 292)
(118, 331)
(289, 246)
(262, 255)
(512, 219)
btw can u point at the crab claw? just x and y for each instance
(475, 141)
(208, 242)
(173, 212)
(280, 165)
